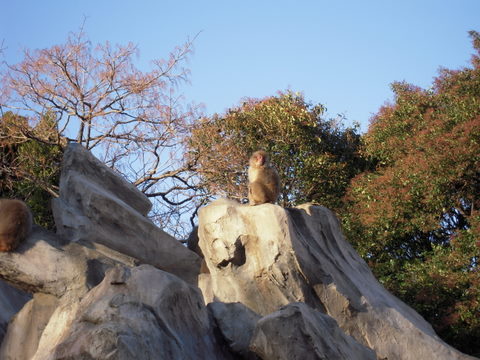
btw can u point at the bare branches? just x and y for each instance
(97, 86)
(133, 120)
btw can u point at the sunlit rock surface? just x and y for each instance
(97, 206)
(266, 257)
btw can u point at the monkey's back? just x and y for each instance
(15, 223)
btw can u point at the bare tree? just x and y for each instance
(132, 120)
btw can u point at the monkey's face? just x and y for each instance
(259, 160)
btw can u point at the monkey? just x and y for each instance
(263, 179)
(15, 223)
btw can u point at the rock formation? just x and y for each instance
(296, 331)
(142, 313)
(11, 301)
(267, 257)
(278, 284)
(99, 208)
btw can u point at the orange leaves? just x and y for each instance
(93, 85)
(414, 216)
(133, 119)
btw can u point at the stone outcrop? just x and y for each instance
(46, 263)
(298, 332)
(267, 257)
(11, 301)
(236, 323)
(279, 283)
(139, 313)
(96, 206)
(295, 331)
(27, 327)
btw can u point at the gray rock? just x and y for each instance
(23, 335)
(298, 332)
(98, 208)
(250, 258)
(266, 257)
(46, 263)
(77, 161)
(55, 271)
(192, 242)
(11, 301)
(236, 323)
(151, 315)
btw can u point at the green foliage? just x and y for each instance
(445, 289)
(414, 217)
(315, 157)
(30, 164)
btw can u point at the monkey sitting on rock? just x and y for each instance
(263, 180)
(15, 223)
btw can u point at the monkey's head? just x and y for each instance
(259, 158)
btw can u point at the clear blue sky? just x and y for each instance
(343, 54)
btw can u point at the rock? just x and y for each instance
(47, 263)
(11, 301)
(236, 323)
(283, 284)
(96, 206)
(248, 253)
(192, 241)
(298, 332)
(77, 161)
(266, 257)
(23, 335)
(294, 332)
(54, 332)
(152, 315)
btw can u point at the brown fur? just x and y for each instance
(15, 223)
(264, 182)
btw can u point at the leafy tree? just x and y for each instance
(415, 217)
(29, 168)
(130, 119)
(315, 157)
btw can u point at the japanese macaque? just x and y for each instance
(15, 223)
(263, 180)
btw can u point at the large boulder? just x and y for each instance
(11, 301)
(266, 257)
(26, 328)
(139, 313)
(78, 161)
(58, 273)
(298, 332)
(97, 207)
(236, 323)
(46, 263)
